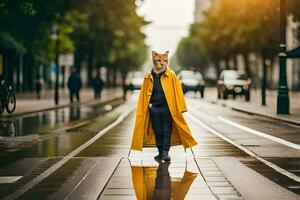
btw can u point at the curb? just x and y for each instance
(239, 109)
(278, 118)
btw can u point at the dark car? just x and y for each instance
(133, 80)
(233, 83)
(192, 81)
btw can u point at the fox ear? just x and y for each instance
(154, 53)
(167, 53)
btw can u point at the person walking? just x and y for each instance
(159, 121)
(38, 86)
(74, 85)
(97, 85)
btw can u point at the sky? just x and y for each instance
(170, 22)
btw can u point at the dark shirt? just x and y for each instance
(158, 98)
(74, 82)
(98, 83)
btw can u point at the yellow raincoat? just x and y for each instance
(143, 179)
(143, 135)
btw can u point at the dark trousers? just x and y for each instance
(73, 93)
(97, 94)
(38, 93)
(162, 190)
(161, 120)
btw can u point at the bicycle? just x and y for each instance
(7, 98)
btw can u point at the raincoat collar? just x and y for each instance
(167, 73)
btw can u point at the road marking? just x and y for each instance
(261, 134)
(9, 179)
(57, 165)
(78, 125)
(268, 163)
(82, 179)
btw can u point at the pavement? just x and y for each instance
(255, 107)
(228, 162)
(28, 103)
(108, 170)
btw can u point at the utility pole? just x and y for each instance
(264, 84)
(56, 94)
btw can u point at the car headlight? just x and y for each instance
(249, 81)
(245, 87)
(229, 87)
(201, 82)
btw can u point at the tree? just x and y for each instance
(190, 54)
(238, 27)
(28, 24)
(100, 32)
(113, 37)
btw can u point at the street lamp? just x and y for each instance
(283, 103)
(56, 37)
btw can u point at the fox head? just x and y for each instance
(160, 60)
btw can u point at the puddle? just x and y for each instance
(147, 179)
(42, 122)
(59, 145)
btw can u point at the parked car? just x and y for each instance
(233, 83)
(192, 81)
(133, 80)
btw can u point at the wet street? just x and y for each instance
(83, 152)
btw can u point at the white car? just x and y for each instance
(192, 81)
(233, 83)
(134, 80)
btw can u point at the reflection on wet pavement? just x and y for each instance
(107, 169)
(39, 123)
(79, 178)
(62, 143)
(141, 177)
(7, 128)
(157, 183)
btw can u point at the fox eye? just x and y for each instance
(166, 60)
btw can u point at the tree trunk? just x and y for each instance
(108, 76)
(271, 75)
(247, 65)
(19, 73)
(78, 59)
(227, 63)
(90, 67)
(264, 82)
(235, 61)
(28, 79)
(114, 76)
(218, 68)
(8, 67)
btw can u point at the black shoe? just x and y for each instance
(165, 156)
(159, 156)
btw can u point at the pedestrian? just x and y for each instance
(159, 121)
(38, 86)
(98, 85)
(74, 85)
